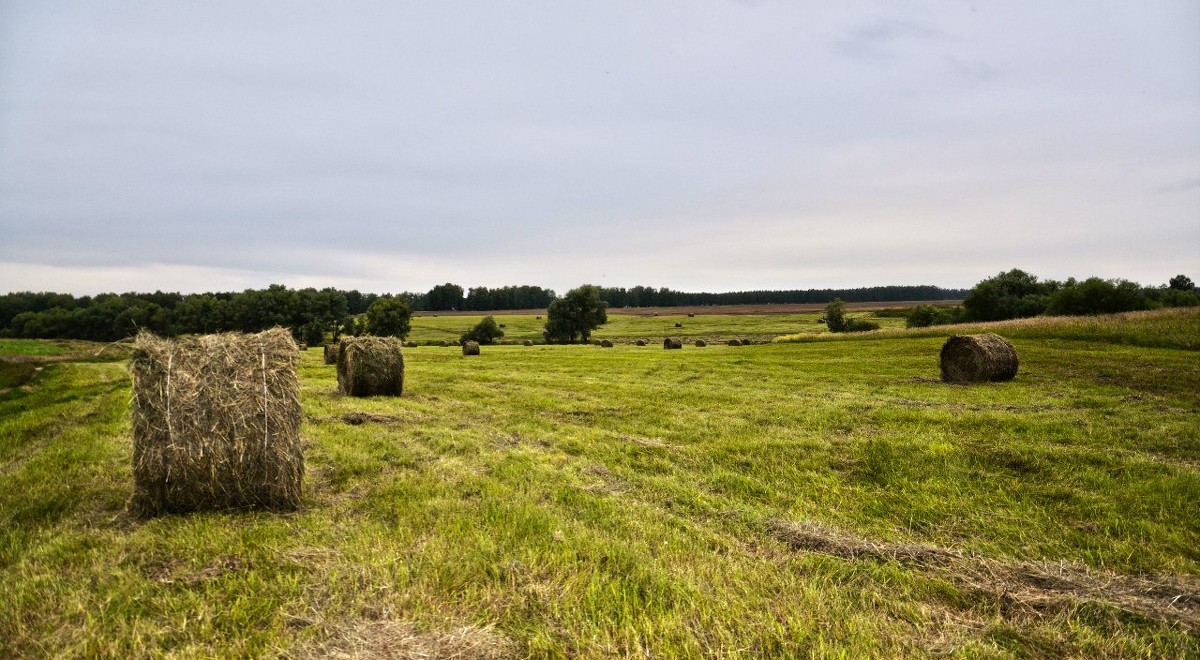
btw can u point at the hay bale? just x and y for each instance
(700, 343)
(216, 423)
(606, 344)
(978, 359)
(527, 342)
(443, 343)
(370, 366)
(691, 316)
(302, 346)
(669, 343)
(331, 353)
(678, 325)
(641, 342)
(471, 348)
(735, 342)
(746, 342)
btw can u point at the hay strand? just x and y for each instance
(370, 366)
(216, 423)
(978, 359)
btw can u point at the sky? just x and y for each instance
(701, 145)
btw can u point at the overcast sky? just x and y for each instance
(708, 145)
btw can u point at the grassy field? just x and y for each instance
(628, 328)
(819, 497)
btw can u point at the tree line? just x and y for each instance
(315, 313)
(1018, 294)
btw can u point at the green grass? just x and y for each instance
(628, 328)
(825, 498)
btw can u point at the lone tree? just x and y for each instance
(389, 317)
(484, 332)
(574, 316)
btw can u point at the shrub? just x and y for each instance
(923, 316)
(484, 332)
(837, 321)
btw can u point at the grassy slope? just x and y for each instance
(788, 499)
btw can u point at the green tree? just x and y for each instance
(837, 321)
(444, 297)
(484, 332)
(1096, 296)
(389, 317)
(1015, 294)
(923, 316)
(1181, 283)
(574, 316)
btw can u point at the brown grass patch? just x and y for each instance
(1034, 587)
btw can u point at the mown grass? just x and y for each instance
(573, 501)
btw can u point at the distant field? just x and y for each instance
(628, 328)
(826, 496)
(718, 310)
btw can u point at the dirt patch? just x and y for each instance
(1034, 587)
(396, 640)
(360, 418)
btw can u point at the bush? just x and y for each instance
(1096, 296)
(484, 332)
(923, 316)
(389, 317)
(837, 321)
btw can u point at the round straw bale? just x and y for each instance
(641, 342)
(606, 344)
(691, 316)
(302, 346)
(746, 342)
(735, 342)
(527, 342)
(331, 353)
(216, 423)
(443, 343)
(471, 348)
(370, 366)
(700, 343)
(978, 359)
(669, 343)
(678, 325)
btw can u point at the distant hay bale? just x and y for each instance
(443, 343)
(641, 342)
(669, 343)
(539, 318)
(606, 344)
(216, 423)
(700, 343)
(746, 342)
(678, 325)
(527, 342)
(502, 325)
(370, 366)
(410, 344)
(735, 342)
(691, 316)
(331, 353)
(471, 348)
(302, 346)
(978, 359)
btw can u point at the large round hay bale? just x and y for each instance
(443, 343)
(527, 342)
(471, 348)
(691, 316)
(669, 343)
(735, 342)
(331, 353)
(700, 343)
(216, 423)
(678, 325)
(606, 344)
(370, 366)
(641, 342)
(978, 359)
